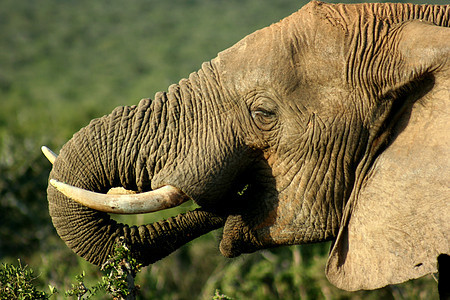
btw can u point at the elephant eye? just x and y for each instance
(264, 114)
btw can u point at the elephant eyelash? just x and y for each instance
(264, 119)
(263, 112)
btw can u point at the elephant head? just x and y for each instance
(335, 123)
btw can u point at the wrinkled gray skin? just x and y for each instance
(337, 119)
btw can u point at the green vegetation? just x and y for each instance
(120, 269)
(16, 282)
(64, 62)
(118, 281)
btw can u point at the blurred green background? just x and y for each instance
(64, 62)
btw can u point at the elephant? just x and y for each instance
(330, 125)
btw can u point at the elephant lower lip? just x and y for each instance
(228, 247)
(237, 238)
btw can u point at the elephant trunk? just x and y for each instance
(126, 148)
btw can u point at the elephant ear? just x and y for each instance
(398, 222)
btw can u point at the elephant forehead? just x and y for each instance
(301, 50)
(258, 60)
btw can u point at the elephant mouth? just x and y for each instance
(248, 215)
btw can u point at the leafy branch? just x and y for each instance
(16, 282)
(120, 269)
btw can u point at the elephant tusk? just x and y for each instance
(162, 198)
(51, 156)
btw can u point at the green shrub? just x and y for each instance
(118, 281)
(16, 282)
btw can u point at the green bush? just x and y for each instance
(118, 281)
(16, 282)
